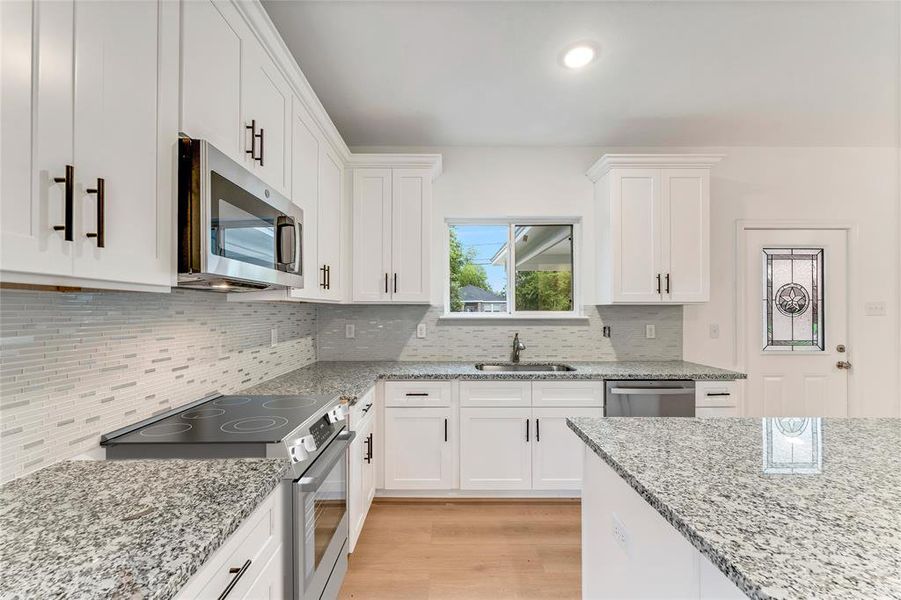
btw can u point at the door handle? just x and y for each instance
(69, 180)
(658, 283)
(238, 573)
(667, 283)
(843, 364)
(100, 190)
(445, 430)
(322, 279)
(395, 283)
(537, 430)
(386, 283)
(328, 277)
(260, 135)
(527, 430)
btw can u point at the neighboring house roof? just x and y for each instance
(471, 293)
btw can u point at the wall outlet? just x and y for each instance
(273, 336)
(605, 331)
(620, 533)
(349, 332)
(874, 309)
(714, 331)
(420, 330)
(650, 331)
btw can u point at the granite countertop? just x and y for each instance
(351, 379)
(825, 524)
(65, 532)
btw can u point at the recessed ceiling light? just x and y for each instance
(579, 55)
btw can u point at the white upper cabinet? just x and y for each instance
(653, 228)
(94, 207)
(392, 235)
(318, 188)
(233, 95)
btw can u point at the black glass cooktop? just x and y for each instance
(231, 419)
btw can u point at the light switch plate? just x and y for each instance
(620, 533)
(714, 331)
(349, 332)
(874, 309)
(650, 331)
(420, 330)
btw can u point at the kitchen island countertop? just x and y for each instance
(826, 525)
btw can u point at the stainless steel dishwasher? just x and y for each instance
(632, 398)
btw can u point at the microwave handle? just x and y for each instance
(280, 254)
(298, 248)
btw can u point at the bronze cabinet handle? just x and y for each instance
(386, 283)
(260, 157)
(395, 283)
(100, 190)
(238, 572)
(537, 430)
(667, 283)
(253, 139)
(658, 283)
(328, 277)
(68, 227)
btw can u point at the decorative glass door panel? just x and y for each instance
(793, 306)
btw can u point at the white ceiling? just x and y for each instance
(670, 74)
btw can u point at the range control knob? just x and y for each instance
(337, 414)
(299, 453)
(308, 442)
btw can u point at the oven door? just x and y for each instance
(321, 522)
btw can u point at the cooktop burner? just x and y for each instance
(229, 419)
(254, 424)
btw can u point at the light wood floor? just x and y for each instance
(467, 550)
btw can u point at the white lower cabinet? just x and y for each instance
(251, 563)
(717, 399)
(556, 450)
(363, 463)
(419, 448)
(495, 451)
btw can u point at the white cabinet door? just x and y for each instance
(495, 448)
(211, 56)
(270, 583)
(556, 450)
(36, 119)
(369, 470)
(685, 234)
(266, 106)
(636, 224)
(116, 144)
(305, 194)
(360, 479)
(371, 235)
(331, 176)
(495, 394)
(410, 235)
(419, 448)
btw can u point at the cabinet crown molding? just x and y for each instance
(433, 162)
(650, 161)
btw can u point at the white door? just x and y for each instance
(410, 228)
(372, 235)
(37, 136)
(419, 447)
(556, 450)
(116, 117)
(495, 448)
(331, 175)
(211, 75)
(266, 106)
(305, 194)
(636, 214)
(685, 234)
(796, 322)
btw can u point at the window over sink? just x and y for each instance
(519, 268)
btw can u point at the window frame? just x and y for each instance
(511, 313)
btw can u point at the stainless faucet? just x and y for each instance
(518, 347)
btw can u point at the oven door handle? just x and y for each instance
(322, 466)
(650, 391)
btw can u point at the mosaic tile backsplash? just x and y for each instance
(389, 333)
(75, 365)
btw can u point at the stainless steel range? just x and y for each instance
(310, 431)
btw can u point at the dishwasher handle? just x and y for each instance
(651, 391)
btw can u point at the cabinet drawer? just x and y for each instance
(418, 393)
(496, 393)
(716, 393)
(255, 541)
(568, 393)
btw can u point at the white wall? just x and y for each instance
(858, 185)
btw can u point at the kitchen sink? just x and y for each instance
(523, 367)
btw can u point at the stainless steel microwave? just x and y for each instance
(235, 233)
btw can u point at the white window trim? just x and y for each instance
(511, 313)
